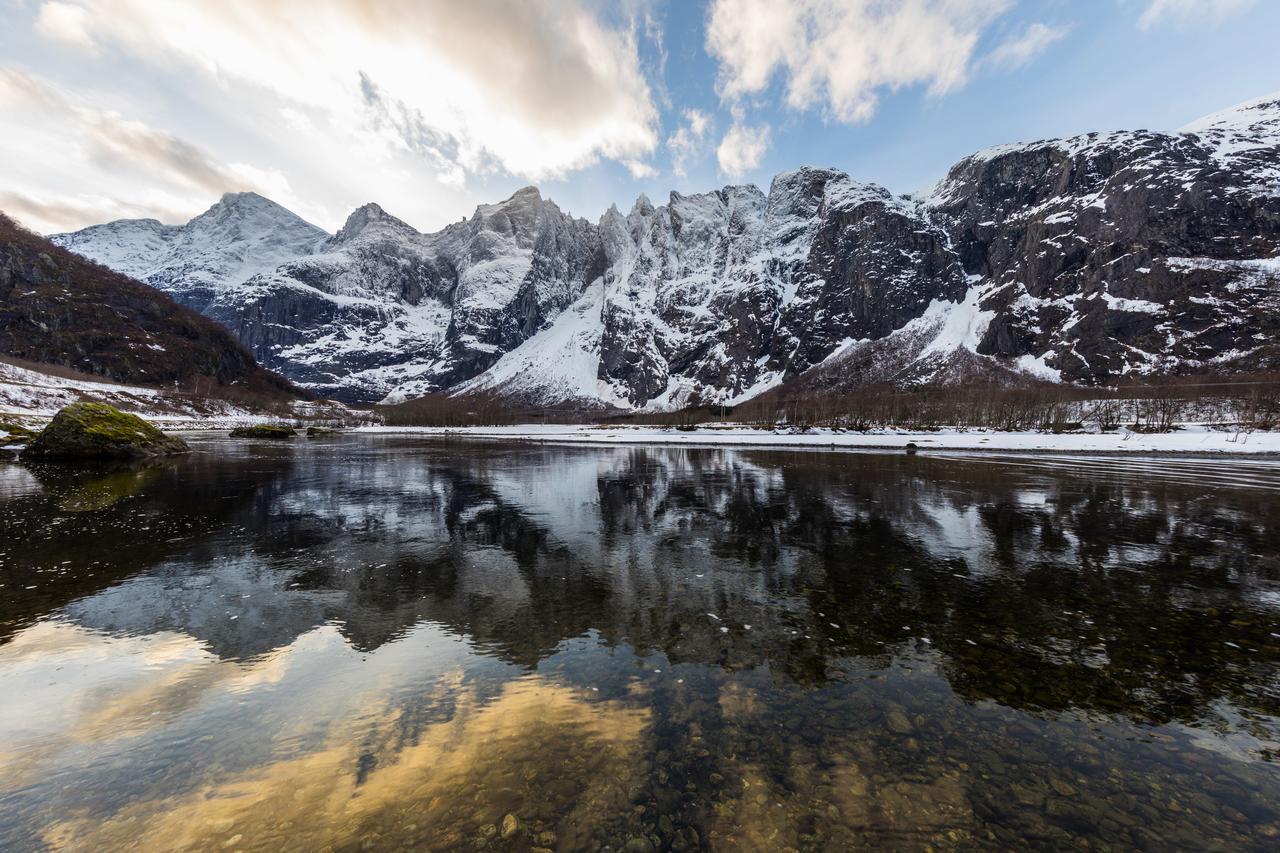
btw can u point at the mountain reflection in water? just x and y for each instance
(390, 643)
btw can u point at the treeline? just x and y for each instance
(478, 409)
(1251, 403)
(1248, 403)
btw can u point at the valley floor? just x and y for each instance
(1191, 439)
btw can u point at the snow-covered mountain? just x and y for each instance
(1080, 259)
(242, 235)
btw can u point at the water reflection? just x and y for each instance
(471, 646)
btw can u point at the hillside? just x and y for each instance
(57, 308)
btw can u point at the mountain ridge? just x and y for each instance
(1082, 259)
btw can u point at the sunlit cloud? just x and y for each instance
(840, 55)
(108, 147)
(536, 89)
(66, 23)
(743, 147)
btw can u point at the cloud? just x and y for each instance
(65, 213)
(639, 169)
(742, 148)
(1190, 11)
(688, 139)
(113, 150)
(1018, 50)
(842, 53)
(65, 23)
(536, 89)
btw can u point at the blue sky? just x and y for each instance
(115, 108)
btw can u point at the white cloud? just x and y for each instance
(1017, 50)
(639, 169)
(1190, 11)
(69, 164)
(536, 89)
(742, 148)
(687, 141)
(842, 53)
(65, 23)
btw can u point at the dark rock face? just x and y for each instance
(1114, 253)
(874, 265)
(89, 431)
(713, 294)
(1082, 259)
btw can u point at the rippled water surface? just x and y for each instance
(385, 643)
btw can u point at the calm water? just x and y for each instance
(381, 643)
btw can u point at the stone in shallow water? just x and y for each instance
(264, 431)
(98, 431)
(898, 723)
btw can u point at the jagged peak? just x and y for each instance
(801, 191)
(643, 206)
(369, 215)
(806, 175)
(524, 199)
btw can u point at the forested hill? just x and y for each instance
(58, 308)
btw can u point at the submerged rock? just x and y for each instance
(98, 431)
(264, 431)
(898, 722)
(314, 431)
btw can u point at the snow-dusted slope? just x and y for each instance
(715, 296)
(240, 236)
(1080, 259)
(35, 396)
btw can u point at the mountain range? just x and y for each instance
(1087, 260)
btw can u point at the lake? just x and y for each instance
(385, 643)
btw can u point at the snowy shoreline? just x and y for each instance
(1192, 440)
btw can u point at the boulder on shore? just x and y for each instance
(98, 431)
(264, 431)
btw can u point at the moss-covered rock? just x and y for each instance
(15, 433)
(264, 431)
(98, 431)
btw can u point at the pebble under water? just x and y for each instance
(385, 643)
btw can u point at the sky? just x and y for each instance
(154, 108)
